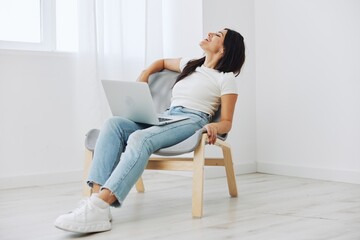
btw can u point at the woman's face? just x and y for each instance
(214, 43)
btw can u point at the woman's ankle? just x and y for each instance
(107, 196)
(95, 188)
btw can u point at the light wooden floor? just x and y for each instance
(269, 207)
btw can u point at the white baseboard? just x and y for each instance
(347, 176)
(40, 179)
(239, 168)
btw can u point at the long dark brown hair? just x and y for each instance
(232, 60)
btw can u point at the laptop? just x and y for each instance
(132, 100)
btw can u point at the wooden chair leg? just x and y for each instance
(198, 179)
(229, 168)
(87, 164)
(140, 185)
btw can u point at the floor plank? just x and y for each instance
(268, 207)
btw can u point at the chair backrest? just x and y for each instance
(160, 84)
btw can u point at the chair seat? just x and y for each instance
(91, 138)
(186, 146)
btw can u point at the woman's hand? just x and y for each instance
(212, 132)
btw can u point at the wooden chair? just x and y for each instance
(160, 86)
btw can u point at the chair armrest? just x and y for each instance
(222, 136)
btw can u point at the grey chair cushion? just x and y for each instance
(91, 138)
(160, 85)
(186, 146)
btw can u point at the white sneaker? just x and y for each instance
(97, 195)
(87, 218)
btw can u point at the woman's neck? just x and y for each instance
(211, 61)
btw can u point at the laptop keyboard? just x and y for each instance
(162, 119)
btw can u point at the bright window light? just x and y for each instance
(66, 26)
(45, 25)
(20, 20)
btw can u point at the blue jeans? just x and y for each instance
(124, 147)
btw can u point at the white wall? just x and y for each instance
(239, 16)
(308, 85)
(36, 119)
(304, 89)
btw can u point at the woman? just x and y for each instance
(124, 147)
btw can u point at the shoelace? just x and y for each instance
(82, 208)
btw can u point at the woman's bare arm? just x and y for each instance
(172, 64)
(228, 102)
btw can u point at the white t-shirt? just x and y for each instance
(202, 89)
